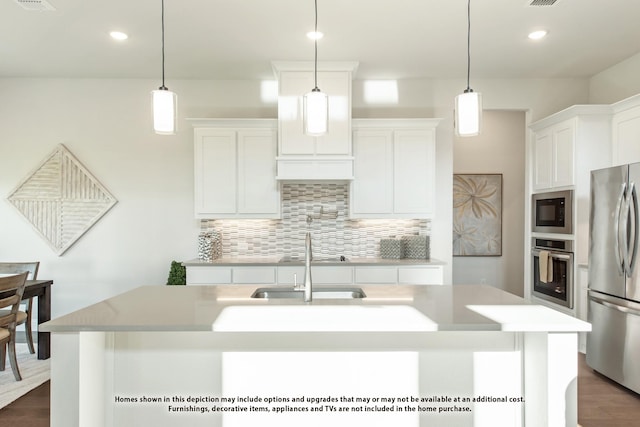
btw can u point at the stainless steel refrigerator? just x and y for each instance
(613, 346)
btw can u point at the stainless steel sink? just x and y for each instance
(318, 293)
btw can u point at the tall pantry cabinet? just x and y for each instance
(565, 148)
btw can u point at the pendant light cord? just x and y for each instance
(315, 41)
(468, 44)
(163, 86)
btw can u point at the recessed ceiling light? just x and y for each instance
(537, 35)
(315, 35)
(118, 35)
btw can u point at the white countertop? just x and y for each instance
(277, 261)
(386, 308)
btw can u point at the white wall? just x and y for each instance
(616, 83)
(107, 125)
(500, 148)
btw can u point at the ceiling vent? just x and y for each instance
(542, 2)
(35, 5)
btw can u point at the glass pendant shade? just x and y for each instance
(468, 113)
(164, 111)
(315, 113)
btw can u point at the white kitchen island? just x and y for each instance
(403, 355)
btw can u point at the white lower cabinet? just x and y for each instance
(320, 274)
(206, 275)
(376, 275)
(290, 275)
(254, 275)
(431, 275)
(331, 275)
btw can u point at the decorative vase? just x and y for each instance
(209, 245)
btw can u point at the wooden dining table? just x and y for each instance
(42, 290)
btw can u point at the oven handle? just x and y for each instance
(556, 255)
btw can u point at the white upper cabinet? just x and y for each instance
(394, 168)
(372, 190)
(626, 131)
(567, 145)
(553, 159)
(300, 156)
(234, 169)
(414, 166)
(292, 87)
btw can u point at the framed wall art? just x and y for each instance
(477, 214)
(61, 199)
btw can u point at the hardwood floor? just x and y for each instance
(601, 403)
(604, 403)
(31, 410)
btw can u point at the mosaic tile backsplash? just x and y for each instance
(333, 233)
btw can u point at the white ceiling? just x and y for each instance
(391, 39)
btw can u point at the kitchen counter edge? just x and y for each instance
(276, 262)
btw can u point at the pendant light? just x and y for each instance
(468, 105)
(164, 101)
(315, 111)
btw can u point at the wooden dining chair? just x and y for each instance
(9, 320)
(24, 317)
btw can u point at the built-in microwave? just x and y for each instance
(552, 212)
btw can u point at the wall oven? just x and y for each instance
(552, 271)
(552, 212)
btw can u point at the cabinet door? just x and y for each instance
(562, 154)
(331, 275)
(553, 156)
(293, 86)
(372, 188)
(430, 275)
(414, 172)
(291, 275)
(257, 186)
(215, 171)
(626, 137)
(376, 275)
(337, 84)
(254, 275)
(206, 275)
(542, 160)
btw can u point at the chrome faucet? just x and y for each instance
(308, 287)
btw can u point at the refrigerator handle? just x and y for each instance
(620, 251)
(633, 212)
(614, 306)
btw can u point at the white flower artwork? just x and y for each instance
(477, 215)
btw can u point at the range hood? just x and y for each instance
(306, 158)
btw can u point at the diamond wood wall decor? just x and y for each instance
(61, 199)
